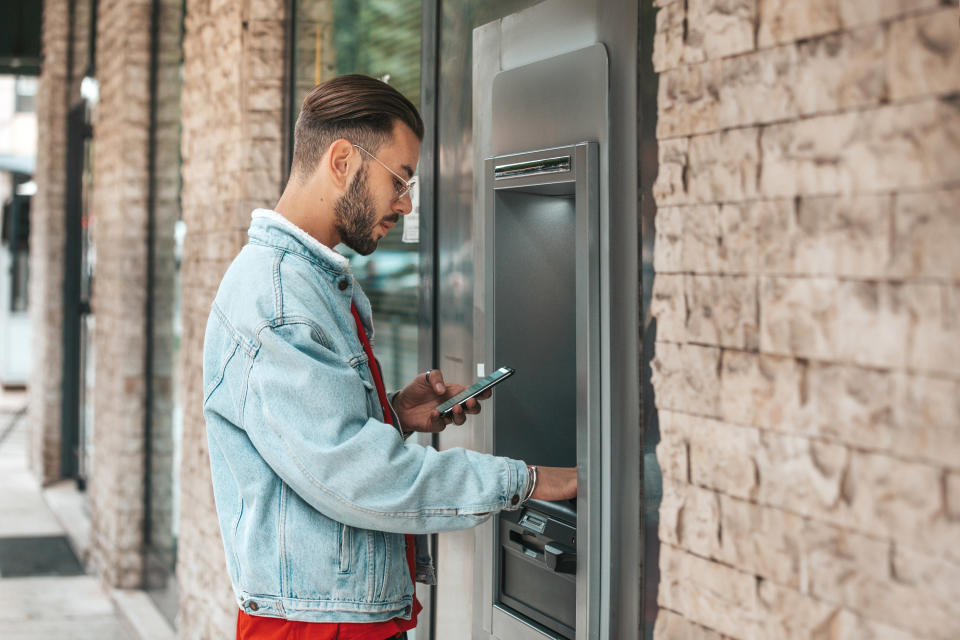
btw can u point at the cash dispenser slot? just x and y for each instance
(555, 556)
(538, 569)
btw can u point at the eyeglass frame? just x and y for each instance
(408, 185)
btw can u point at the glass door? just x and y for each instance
(78, 320)
(88, 322)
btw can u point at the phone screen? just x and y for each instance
(476, 388)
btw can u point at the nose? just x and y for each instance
(404, 205)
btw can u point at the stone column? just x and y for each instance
(232, 104)
(47, 245)
(121, 124)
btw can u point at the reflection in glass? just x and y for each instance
(88, 267)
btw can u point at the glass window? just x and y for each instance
(379, 38)
(88, 324)
(26, 94)
(16, 235)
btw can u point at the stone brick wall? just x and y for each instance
(232, 101)
(807, 368)
(120, 209)
(65, 60)
(46, 246)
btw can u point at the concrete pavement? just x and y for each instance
(45, 592)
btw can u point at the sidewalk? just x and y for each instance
(45, 592)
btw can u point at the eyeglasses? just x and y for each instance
(401, 187)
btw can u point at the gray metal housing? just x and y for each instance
(558, 74)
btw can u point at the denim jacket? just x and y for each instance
(313, 490)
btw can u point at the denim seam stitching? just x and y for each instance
(281, 528)
(236, 526)
(246, 344)
(243, 391)
(306, 258)
(382, 582)
(215, 383)
(371, 566)
(277, 285)
(283, 321)
(218, 379)
(268, 597)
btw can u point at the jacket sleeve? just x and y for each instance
(306, 412)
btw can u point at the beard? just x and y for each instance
(355, 218)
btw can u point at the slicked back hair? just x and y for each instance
(354, 107)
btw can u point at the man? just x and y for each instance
(317, 491)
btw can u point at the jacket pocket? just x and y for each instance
(345, 544)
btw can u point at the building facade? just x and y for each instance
(797, 201)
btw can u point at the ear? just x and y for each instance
(341, 162)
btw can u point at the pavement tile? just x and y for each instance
(62, 597)
(19, 523)
(86, 628)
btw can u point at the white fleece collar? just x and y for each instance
(303, 236)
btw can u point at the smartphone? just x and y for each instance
(475, 389)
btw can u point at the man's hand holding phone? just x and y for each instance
(477, 389)
(416, 404)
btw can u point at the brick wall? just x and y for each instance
(46, 246)
(807, 368)
(232, 142)
(120, 206)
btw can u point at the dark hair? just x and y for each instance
(354, 107)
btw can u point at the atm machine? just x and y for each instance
(550, 301)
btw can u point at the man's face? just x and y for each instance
(370, 208)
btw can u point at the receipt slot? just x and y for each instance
(543, 308)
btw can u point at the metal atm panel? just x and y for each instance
(543, 314)
(550, 76)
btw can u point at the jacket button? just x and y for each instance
(253, 606)
(343, 284)
(514, 500)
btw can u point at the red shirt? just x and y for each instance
(264, 628)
